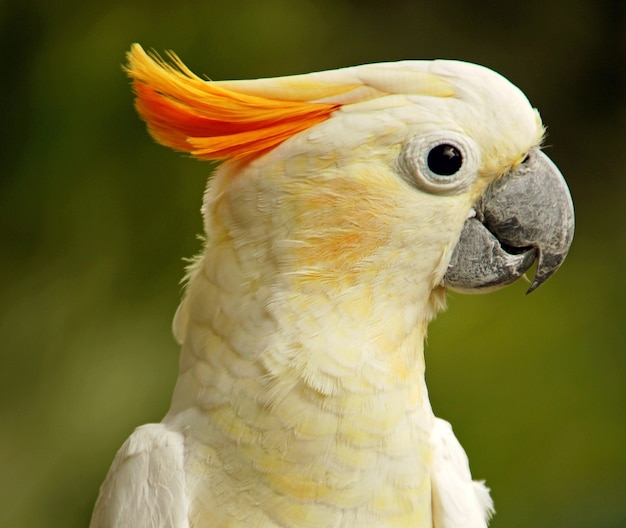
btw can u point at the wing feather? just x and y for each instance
(145, 486)
(458, 501)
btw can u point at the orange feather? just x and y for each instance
(187, 113)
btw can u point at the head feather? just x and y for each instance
(210, 121)
(244, 119)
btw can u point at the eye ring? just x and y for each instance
(445, 162)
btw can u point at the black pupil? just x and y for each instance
(445, 159)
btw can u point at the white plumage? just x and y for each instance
(146, 483)
(301, 399)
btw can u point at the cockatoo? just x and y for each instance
(347, 202)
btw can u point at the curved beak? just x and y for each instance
(524, 216)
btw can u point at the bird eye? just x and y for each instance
(443, 162)
(445, 159)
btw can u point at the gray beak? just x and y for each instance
(524, 216)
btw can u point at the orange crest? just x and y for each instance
(211, 122)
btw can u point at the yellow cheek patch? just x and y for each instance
(187, 113)
(342, 226)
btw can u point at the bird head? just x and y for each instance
(414, 175)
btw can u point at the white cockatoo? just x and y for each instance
(347, 203)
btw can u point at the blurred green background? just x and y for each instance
(95, 220)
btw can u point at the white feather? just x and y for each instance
(145, 486)
(458, 501)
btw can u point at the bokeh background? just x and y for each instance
(95, 220)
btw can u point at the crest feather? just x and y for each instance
(210, 121)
